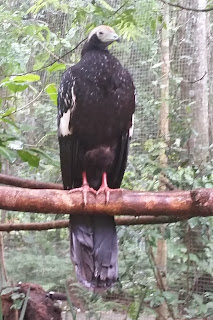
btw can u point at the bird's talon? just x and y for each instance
(84, 189)
(107, 193)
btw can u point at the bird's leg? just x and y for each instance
(85, 188)
(104, 187)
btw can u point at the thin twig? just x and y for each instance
(121, 7)
(186, 8)
(167, 183)
(192, 82)
(26, 105)
(52, 53)
(159, 279)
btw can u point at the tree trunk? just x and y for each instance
(161, 258)
(210, 74)
(200, 114)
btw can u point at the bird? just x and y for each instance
(96, 104)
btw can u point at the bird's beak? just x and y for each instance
(116, 37)
(113, 37)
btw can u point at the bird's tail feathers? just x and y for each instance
(94, 250)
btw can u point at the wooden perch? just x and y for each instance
(26, 183)
(185, 204)
(59, 224)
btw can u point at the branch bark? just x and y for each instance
(59, 224)
(122, 202)
(176, 5)
(25, 183)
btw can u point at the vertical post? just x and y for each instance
(161, 258)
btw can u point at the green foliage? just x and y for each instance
(25, 304)
(39, 260)
(18, 300)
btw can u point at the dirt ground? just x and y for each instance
(104, 316)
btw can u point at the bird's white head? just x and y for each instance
(104, 34)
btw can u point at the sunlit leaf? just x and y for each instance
(52, 92)
(106, 5)
(15, 145)
(26, 78)
(8, 112)
(56, 67)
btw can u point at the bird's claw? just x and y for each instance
(106, 190)
(85, 188)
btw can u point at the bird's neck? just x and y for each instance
(93, 44)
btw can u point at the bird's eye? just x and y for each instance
(100, 32)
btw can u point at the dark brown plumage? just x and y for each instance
(95, 107)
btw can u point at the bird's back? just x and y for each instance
(104, 95)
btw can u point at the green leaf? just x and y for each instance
(16, 87)
(157, 171)
(6, 153)
(12, 123)
(26, 77)
(45, 155)
(6, 137)
(37, 7)
(56, 66)
(52, 92)
(8, 112)
(106, 5)
(30, 157)
(17, 304)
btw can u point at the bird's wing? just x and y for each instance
(125, 97)
(121, 153)
(68, 141)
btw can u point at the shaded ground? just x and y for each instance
(105, 316)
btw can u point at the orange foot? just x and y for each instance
(104, 188)
(85, 188)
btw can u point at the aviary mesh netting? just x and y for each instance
(42, 32)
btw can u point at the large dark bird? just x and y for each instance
(95, 107)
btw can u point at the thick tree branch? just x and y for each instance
(25, 183)
(59, 224)
(122, 202)
(176, 5)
